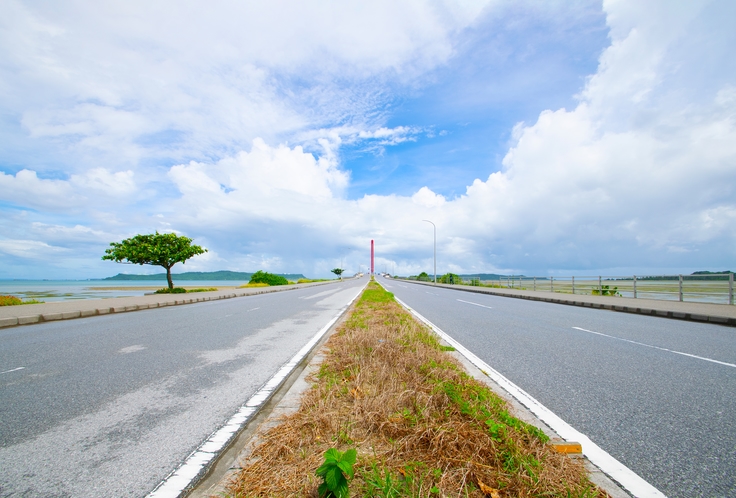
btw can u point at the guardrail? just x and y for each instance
(707, 288)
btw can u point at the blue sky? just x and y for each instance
(542, 138)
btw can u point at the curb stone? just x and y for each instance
(13, 321)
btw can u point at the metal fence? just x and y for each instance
(707, 288)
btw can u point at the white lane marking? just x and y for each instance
(475, 304)
(132, 349)
(173, 485)
(253, 309)
(609, 465)
(432, 294)
(657, 347)
(12, 370)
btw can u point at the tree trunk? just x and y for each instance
(168, 277)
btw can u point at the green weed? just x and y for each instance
(335, 472)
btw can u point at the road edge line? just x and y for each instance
(180, 480)
(617, 471)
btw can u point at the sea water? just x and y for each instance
(62, 290)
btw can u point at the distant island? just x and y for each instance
(201, 275)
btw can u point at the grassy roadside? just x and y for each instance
(15, 301)
(420, 425)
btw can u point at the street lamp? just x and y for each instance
(435, 251)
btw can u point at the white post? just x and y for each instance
(573, 285)
(551, 284)
(680, 288)
(600, 286)
(730, 288)
(634, 286)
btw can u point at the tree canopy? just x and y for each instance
(338, 272)
(157, 249)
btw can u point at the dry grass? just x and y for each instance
(421, 426)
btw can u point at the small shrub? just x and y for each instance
(606, 290)
(203, 289)
(10, 301)
(450, 278)
(262, 277)
(175, 290)
(246, 286)
(335, 472)
(13, 301)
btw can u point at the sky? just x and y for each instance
(543, 138)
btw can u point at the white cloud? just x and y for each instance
(30, 249)
(595, 185)
(98, 185)
(111, 81)
(639, 172)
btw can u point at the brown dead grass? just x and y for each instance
(420, 425)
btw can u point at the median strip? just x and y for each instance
(420, 425)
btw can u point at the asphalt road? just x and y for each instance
(110, 405)
(669, 417)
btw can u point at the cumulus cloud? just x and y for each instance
(113, 83)
(100, 185)
(631, 172)
(253, 106)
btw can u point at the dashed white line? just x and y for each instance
(475, 304)
(132, 349)
(253, 309)
(657, 347)
(12, 370)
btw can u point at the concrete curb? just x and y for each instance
(662, 313)
(128, 304)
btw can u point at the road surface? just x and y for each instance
(659, 395)
(110, 405)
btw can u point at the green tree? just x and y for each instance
(423, 276)
(338, 272)
(157, 249)
(450, 278)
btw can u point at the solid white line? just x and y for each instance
(475, 304)
(609, 465)
(177, 481)
(657, 347)
(13, 370)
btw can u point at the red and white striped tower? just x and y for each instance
(371, 256)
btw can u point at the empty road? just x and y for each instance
(110, 405)
(659, 395)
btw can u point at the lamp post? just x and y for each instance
(435, 250)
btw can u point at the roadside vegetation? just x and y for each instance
(182, 290)
(262, 277)
(310, 280)
(391, 413)
(15, 301)
(158, 249)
